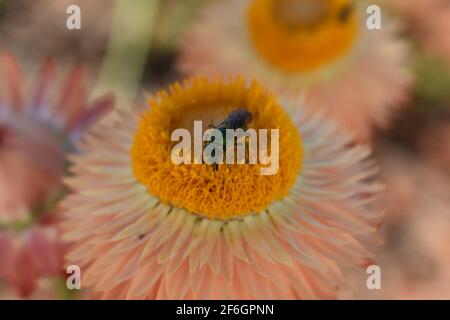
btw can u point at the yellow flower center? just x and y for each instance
(302, 35)
(232, 190)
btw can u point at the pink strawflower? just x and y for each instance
(141, 227)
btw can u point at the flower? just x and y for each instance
(317, 50)
(36, 131)
(29, 255)
(142, 227)
(429, 20)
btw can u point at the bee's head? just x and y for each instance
(239, 117)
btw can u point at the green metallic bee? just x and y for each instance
(238, 119)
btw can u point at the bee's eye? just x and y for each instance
(345, 12)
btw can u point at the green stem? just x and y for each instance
(130, 41)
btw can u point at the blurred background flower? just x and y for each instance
(414, 260)
(317, 50)
(37, 129)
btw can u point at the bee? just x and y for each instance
(238, 119)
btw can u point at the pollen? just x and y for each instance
(233, 190)
(302, 35)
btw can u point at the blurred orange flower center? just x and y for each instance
(302, 35)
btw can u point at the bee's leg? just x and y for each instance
(215, 166)
(244, 144)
